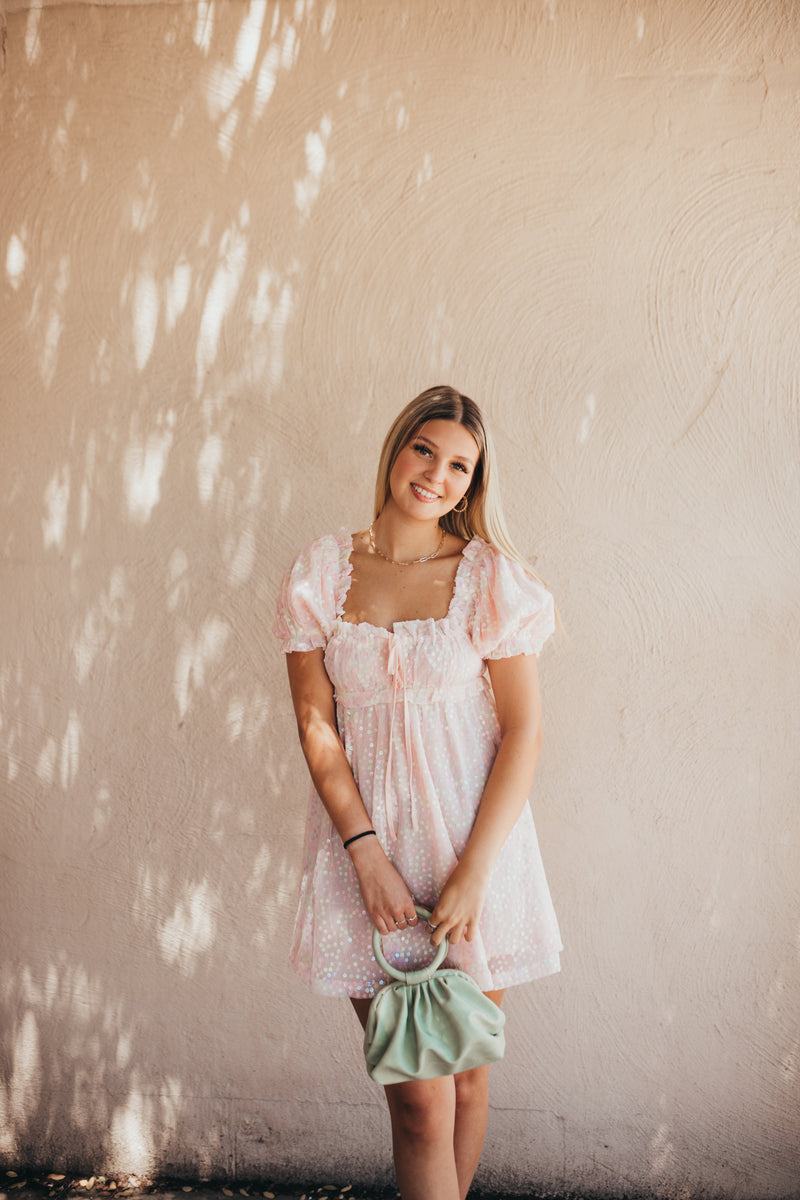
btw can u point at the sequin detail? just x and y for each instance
(418, 723)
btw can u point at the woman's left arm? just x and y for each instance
(515, 683)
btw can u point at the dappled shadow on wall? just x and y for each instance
(154, 241)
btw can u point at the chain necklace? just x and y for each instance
(411, 561)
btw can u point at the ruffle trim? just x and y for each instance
(317, 558)
(460, 601)
(462, 598)
(344, 573)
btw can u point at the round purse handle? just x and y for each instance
(424, 973)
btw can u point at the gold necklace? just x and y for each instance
(411, 561)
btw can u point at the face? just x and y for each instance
(434, 470)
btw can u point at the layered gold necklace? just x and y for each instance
(395, 562)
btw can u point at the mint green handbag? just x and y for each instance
(429, 1022)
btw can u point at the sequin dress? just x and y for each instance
(417, 719)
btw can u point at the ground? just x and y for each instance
(37, 1185)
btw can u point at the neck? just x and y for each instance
(402, 539)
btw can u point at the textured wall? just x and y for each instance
(234, 239)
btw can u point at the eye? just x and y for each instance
(459, 466)
(421, 448)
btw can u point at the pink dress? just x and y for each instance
(417, 719)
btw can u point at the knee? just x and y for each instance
(424, 1111)
(472, 1088)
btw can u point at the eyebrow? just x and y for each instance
(458, 457)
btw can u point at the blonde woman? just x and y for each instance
(411, 649)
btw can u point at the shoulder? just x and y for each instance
(513, 611)
(491, 565)
(482, 562)
(321, 554)
(494, 563)
(479, 552)
(310, 594)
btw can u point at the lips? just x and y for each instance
(423, 493)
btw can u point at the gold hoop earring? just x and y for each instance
(462, 505)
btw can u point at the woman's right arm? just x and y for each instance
(386, 897)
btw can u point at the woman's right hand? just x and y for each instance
(386, 897)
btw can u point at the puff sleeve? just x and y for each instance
(307, 601)
(514, 613)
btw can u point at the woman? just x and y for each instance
(411, 656)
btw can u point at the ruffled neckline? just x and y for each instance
(458, 601)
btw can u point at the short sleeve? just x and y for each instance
(307, 600)
(514, 614)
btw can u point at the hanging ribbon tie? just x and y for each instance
(396, 668)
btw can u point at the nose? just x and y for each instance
(435, 471)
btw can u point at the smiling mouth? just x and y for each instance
(423, 493)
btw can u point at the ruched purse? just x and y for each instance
(429, 1023)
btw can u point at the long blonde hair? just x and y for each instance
(483, 515)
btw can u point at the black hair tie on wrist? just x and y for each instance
(366, 833)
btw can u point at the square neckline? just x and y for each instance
(347, 549)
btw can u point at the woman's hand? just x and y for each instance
(386, 897)
(460, 905)
(516, 691)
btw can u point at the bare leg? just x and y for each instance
(472, 1111)
(423, 1123)
(423, 1118)
(438, 1128)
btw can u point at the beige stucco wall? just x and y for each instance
(234, 239)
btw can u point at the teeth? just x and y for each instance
(424, 492)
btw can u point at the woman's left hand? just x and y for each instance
(459, 908)
(516, 692)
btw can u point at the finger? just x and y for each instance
(468, 934)
(432, 926)
(411, 917)
(456, 934)
(382, 926)
(438, 935)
